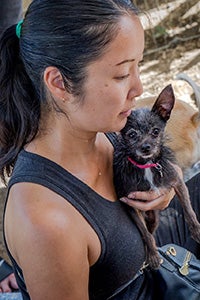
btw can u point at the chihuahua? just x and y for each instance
(183, 128)
(143, 162)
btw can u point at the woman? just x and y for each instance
(7, 278)
(70, 77)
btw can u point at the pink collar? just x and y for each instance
(142, 166)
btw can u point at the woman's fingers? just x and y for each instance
(8, 284)
(151, 200)
(4, 285)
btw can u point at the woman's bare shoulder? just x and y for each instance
(44, 223)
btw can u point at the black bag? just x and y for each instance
(178, 277)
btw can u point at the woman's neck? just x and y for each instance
(90, 160)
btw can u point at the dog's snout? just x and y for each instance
(146, 148)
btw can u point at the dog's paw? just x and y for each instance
(194, 228)
(196, 235)
(154, 261)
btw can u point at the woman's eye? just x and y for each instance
(122, 77)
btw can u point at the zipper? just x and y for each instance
(184, 270)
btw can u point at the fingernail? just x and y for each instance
(131, 195)
(123, 200)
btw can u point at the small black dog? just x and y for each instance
(142, 162)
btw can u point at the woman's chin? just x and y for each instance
(119, 126)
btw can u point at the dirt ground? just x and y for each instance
(172, 31)
(172, 47)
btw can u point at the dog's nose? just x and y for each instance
(146, 148)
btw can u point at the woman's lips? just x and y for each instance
(126, 113)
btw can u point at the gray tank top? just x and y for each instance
(122, 248)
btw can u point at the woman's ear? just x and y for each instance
(54, 82)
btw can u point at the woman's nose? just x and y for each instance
(136, 88)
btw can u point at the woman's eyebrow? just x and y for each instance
(125, 61)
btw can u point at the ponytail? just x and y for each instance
(19, 104)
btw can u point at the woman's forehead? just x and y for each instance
(128, 45)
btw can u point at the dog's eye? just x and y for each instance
(132, 134)
(155, 132)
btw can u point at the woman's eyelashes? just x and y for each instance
(122, 77)
(125, 76)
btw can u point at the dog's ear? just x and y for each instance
(164, 103)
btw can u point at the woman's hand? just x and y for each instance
(152, 200)
(8, 284)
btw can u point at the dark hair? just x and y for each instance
(67, 34)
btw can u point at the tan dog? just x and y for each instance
(183, 130)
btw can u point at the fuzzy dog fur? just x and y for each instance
(183, 129)
(143, 161)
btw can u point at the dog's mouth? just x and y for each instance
(147, 156)
(144, 156)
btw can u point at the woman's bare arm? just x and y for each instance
(54, 255)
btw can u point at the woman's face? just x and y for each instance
(112, 82)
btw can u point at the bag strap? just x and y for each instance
(5, 269)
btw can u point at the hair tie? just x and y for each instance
(19, 28)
